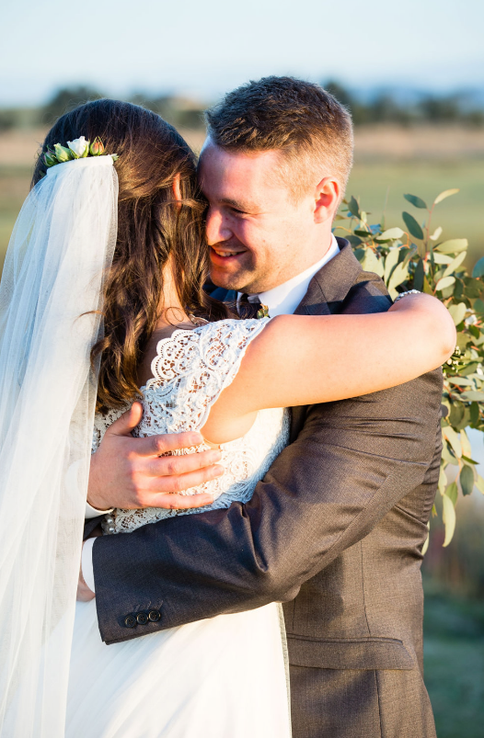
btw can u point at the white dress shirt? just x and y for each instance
(281, 300)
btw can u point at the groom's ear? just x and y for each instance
(326, 199)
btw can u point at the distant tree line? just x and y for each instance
(179, 111)
(426, 108)
(187, 113)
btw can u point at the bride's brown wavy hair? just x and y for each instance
(152, 225)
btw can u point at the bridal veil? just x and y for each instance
(50, 302)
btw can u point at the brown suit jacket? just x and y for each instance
(336, 529)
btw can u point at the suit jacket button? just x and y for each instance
(142, 618)
(130, 621)
(154, 615)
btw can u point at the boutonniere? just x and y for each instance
(263, 312)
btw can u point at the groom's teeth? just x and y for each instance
(226, 253)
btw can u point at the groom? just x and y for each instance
(336, 527)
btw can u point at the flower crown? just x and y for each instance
(77, 149)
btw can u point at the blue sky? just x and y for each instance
(205, 48)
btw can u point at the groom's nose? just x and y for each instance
(216, 227)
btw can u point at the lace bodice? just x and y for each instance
(190, 370)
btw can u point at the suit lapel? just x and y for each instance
(330, 286)
(326, 293)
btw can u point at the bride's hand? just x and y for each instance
(130, 472)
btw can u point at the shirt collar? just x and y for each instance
(284, 299)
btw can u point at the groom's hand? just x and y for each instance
(130, 472)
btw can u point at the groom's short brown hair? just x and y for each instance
(305, 123)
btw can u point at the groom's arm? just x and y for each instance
(351, 462)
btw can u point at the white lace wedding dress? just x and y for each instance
(223, 677)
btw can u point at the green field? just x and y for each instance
(380, 188)
(14, 185)
(454, 662)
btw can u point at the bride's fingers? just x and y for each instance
(157, 445)
(166, 466)
(169, 486)
(182, 502)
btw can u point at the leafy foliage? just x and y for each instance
(416, 257)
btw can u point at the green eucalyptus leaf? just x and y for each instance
(458, 289)
(353, 207)
(449, 519)
(468, 460)
(416, 201)
(452, 492)
(461, 381)
(466, 446)
(454, 439)
(448, 456)
(474, 414)
(442, 258)
(479, 306)
(435, 235)
(455, 264)
(458, 312)
(418, 277)
(392, 234)
(427, 541)
(478, 270)
(427, 288)
(469, 369)
(462, 340)
(457, 413)
(399, 275)
(474, 287)
(473, 396)
(454, 246)
(442, 483)
(391, 262)
(466, 479)
(413, 227)
(466, 418)
(474, 331)
(444, 194)
(445, 282)
(371, 263)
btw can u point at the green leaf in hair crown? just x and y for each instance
(77, 149)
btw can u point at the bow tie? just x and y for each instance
(250, 308)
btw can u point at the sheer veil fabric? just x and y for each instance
(62, 244)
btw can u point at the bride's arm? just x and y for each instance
(299, 360)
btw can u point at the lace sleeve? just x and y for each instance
(190, 370)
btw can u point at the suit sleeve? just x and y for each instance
(350, 464)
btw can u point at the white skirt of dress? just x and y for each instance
(224, 677)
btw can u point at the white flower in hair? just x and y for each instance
(79, 147)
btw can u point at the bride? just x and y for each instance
(113, 227)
